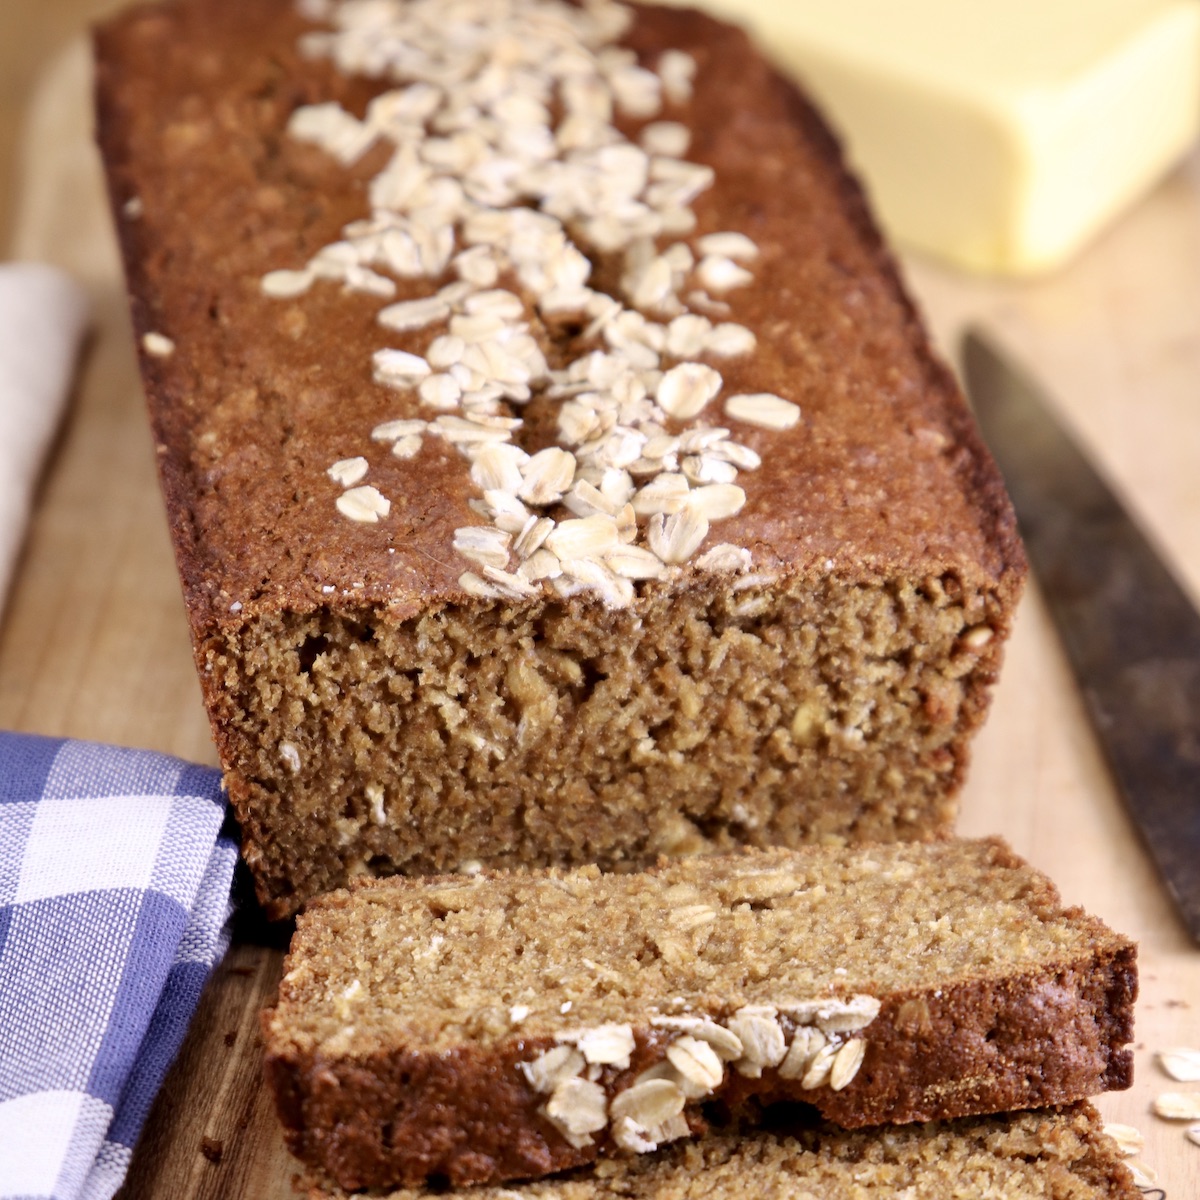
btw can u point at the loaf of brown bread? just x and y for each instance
(557, 470)
(1030, 1156)
(512, 1025)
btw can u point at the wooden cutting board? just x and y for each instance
(94, 643)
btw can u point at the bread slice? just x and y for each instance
(1047, 1155)
(513, 1025)
(424, 640)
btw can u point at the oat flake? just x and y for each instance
(1181, 1063)
(494, 203)
(1178, 1106)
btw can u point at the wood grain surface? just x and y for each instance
(94, 642)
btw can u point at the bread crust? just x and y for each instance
(1060, 1154)
(331, 1109)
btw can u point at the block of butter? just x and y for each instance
(999, 135)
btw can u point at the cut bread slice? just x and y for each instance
(508, 1026)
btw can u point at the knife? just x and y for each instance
(1130, 632)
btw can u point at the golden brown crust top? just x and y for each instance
(884, 474)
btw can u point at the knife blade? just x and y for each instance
(1130, 631)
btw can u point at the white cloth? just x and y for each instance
(43, 315)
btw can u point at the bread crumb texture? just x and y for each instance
(745, 711)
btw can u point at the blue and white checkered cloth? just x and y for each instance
(114, 906)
